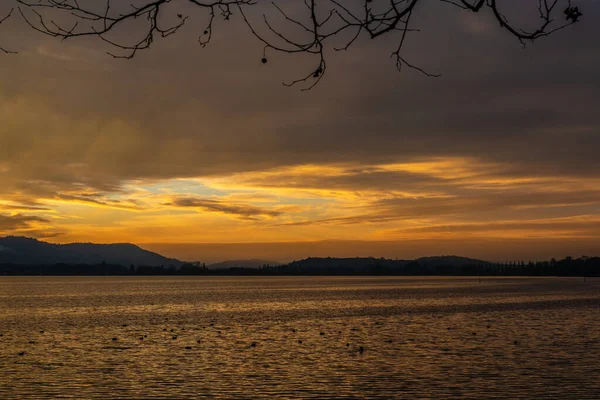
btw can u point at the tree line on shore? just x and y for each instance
(582, 266)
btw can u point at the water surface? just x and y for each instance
(299, 337)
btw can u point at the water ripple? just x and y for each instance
(322, 338)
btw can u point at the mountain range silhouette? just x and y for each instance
(24, 250)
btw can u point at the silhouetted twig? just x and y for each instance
(318, 23)
(2, 19)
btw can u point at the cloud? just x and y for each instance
(20, 207)
(585, 226)
(96, 199)
(243, 211)
(116, 127)
(15, 222)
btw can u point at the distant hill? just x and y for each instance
(449, 260)
(23, 250)
(374, 265)
(352, 263)
(251, 263)
(25, 256)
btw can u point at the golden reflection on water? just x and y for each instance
(298, 337)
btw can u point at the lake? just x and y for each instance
(299, 337)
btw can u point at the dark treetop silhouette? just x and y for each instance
(310, 26)
(442, 266)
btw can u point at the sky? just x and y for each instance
(202, 154)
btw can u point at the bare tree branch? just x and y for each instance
(2, 19)
(319, 26)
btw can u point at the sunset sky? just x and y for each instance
(202, 153)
